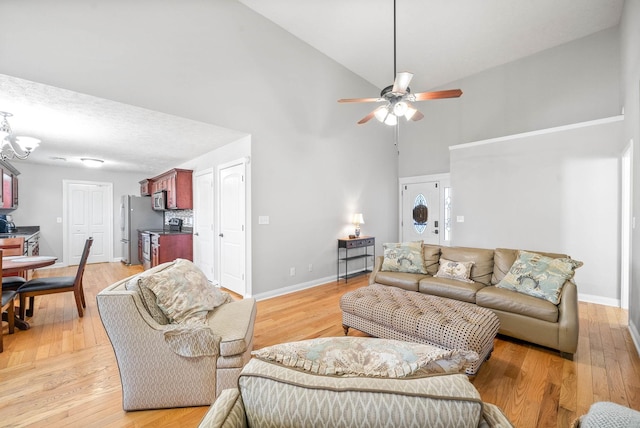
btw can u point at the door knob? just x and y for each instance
(196, 234)
(221, 235)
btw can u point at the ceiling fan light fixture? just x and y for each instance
(410, 112)
(391, 120)
(381, 113)
(400, 108)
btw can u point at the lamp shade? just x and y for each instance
(358, 219)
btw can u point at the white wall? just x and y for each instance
(575, 82)
(630, 92)
(221, 63)
(40, 193)
(555, 192)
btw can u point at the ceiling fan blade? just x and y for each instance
(401, 83)
(450, 93)
(417, 116)
(368, 117)
(359, 100)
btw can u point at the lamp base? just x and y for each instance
(357, 232)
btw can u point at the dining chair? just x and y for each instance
(13, 247)
(59, 284)
(8, 297)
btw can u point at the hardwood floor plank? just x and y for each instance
(63, 373)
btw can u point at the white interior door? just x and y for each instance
(421, 212)
(89, 213)
(232, 228)
(203, 242)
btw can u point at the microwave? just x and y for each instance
(160, 200)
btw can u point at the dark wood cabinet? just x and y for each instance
(178, 183)
(166, 247)
(145, 187)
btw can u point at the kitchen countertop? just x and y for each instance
(27, 232)
(184, 231)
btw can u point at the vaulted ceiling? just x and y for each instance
(440, 41)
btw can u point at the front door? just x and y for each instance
(232, 228)
(203, 242)
(89, 207)
(421, 212)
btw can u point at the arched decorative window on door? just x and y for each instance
(420, 213)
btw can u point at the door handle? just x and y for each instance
(196, 234)
(221, 235)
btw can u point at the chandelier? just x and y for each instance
(14, 147)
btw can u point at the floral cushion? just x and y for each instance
(149, 299)
(183, 292)
(460, 271)
(403, 257)
(369, 357)
(539, 276)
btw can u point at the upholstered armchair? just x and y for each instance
(161, 366)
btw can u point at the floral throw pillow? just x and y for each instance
(403, 257)
(539, 276)
(460, 271)
(369, 357)
(183, 292)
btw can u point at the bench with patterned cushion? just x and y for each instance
(394, 313)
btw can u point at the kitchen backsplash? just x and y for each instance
(185, 215)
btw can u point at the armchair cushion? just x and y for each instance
(183, 292)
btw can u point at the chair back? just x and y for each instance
(83, 262)
(12, 246)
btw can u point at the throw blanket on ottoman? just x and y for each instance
(394, 313)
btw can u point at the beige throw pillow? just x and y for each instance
(403, 257)
(460, 271)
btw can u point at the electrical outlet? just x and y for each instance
(292, 271)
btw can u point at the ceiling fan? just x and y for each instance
(397, 98)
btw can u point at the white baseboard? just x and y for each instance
(293, 288)
(607, 301)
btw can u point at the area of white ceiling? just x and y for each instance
(128, 138)
(440, 41)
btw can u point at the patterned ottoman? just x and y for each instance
(394, 313)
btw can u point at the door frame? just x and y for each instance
(65, 217)
(626, 223)
(211, 171)
(246, 162)
(445, 181)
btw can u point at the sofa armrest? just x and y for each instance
(376, 268)
(226, 412)
(568, 318)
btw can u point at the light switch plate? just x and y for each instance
(460, 219)
(263, 219)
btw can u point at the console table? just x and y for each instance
(345, 245)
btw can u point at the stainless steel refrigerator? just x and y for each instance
(136, 214)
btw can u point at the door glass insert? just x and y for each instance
(420, 213)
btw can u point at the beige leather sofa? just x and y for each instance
(276, 396)
(521, 316)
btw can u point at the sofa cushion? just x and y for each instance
(403, 257)
(482, 261)
(450, 288)
(431, 254)
(406, 281)
(503, 259)
(459, 271)
(539, 276)
(279, 396)
(183, 292)
(511, 301)
(373, 357)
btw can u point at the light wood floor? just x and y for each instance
(62, 372)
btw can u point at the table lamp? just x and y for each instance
(358, 220)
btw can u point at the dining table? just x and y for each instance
(17, 265)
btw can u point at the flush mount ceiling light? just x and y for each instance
(14, 147)
(92, 163)
(397, 98)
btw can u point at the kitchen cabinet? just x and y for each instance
(166, 247)
(145, 187)
(9, 190)
(178, 183)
